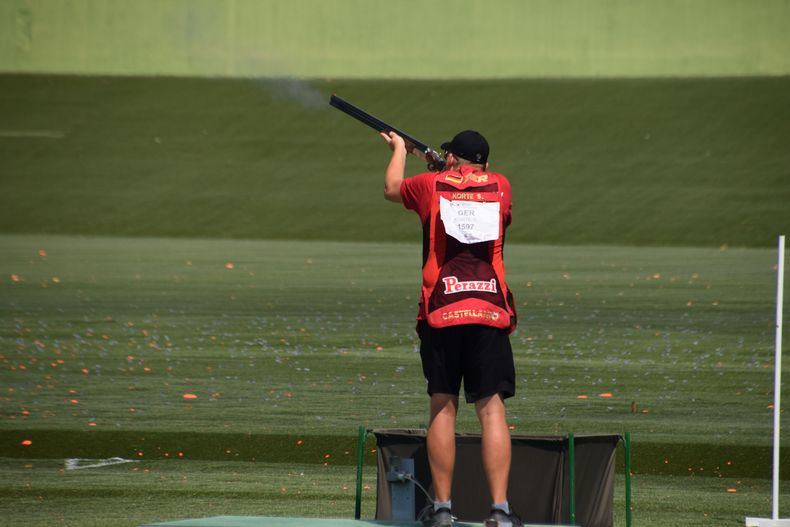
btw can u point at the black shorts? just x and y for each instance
(480, 355)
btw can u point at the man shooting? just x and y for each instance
(466, 310)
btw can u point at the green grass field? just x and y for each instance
(299, 342)
(227, 241)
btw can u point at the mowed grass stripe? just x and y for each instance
(692, 162)
(38, 492)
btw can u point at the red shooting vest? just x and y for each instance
(464, 283)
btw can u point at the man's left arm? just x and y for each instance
(396, 170)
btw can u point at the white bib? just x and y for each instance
(470, 221)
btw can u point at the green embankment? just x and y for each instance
(290, 341)
(631, 162)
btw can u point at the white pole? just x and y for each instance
(778, 372)
(774, 521)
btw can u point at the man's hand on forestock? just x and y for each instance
(394, 141)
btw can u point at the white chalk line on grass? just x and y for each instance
(76, 463)
(33, 134)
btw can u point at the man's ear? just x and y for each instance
(485, 168)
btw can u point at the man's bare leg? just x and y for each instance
(441, 443)
(495, 445)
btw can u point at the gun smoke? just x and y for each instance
(295, 90)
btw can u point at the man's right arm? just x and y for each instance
(396, 168)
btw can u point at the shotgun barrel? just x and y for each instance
(432, 157)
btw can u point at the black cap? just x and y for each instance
(469, 145)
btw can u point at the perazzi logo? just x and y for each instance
(452, 285)
(470, 313)
(459, 179)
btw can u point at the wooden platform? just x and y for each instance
(264, 521)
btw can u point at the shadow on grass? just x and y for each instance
(647, 458)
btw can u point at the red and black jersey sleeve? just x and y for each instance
(416, 193)
(507, 203)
